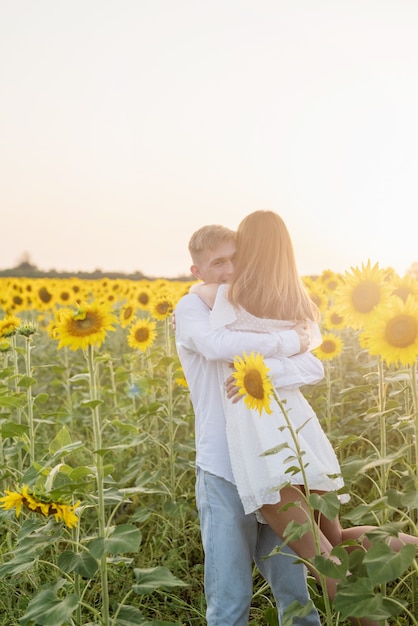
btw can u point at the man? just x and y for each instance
(231, 540)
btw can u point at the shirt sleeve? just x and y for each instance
(194, 333)
(295, 371)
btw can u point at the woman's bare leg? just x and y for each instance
(305, 547)
(336, 535)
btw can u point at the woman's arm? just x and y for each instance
(206, 292)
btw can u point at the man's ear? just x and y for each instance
(195, 271)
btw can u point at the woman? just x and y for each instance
(265, 295)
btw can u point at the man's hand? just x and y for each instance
(232, 389)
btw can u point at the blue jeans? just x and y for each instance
(232, 541)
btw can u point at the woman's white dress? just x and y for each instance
(258, 477)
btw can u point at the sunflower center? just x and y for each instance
(91, 323)
(401, 331)
(142, 334)
(336, 319)
(127, 313)
(253, 384)
(44, 295)
(143, 298)
(332, 285)
(328, 346)
(365, 296)
(164, 308)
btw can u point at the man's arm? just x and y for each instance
(194, 333)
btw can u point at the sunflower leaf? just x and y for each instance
(384, 565)
(47, 609)
(81, 563)
(150, 579)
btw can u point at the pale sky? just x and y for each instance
(125, 125)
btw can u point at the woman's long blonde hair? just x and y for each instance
(266, 282)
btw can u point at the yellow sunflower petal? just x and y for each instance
(87, 326)
(363, 291)
(142, 334)
(251, 378)
(330, 347)
(13, 500)
(394, 335)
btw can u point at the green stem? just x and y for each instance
(30, 403)
(120, 607)
(171, 429)
(97, 432)
(328, 383)
(16, 388)
(383, 433)
(113, 383)
(67, 384)
(413, 378)
(312, 519)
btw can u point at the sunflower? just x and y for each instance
(253, 382)
(332, 319)
(330, 281)
(318, 295)
(404, 287)
(394, 334)
(17, 302)
(26, 329)
(141, 294)
(162, 305)
(142, 334)
(86, 326)
(79, 289)
(45, 294)
(9, 326)
(330, 347)
(13, 298)
(127, 314)
(5, 345)
(64, 294)
(40, 503)
(361, 294)
(389, 274)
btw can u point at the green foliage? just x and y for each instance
(51, 575)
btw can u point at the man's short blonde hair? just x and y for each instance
(209, 238)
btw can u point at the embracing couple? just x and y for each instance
(252, 300)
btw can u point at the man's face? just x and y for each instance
(215, 266)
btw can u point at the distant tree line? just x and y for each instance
(26, 269)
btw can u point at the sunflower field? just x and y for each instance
(98, 519)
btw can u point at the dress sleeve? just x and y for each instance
(316, 338)
(296, 371)
(194, 333)
(223, 315)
